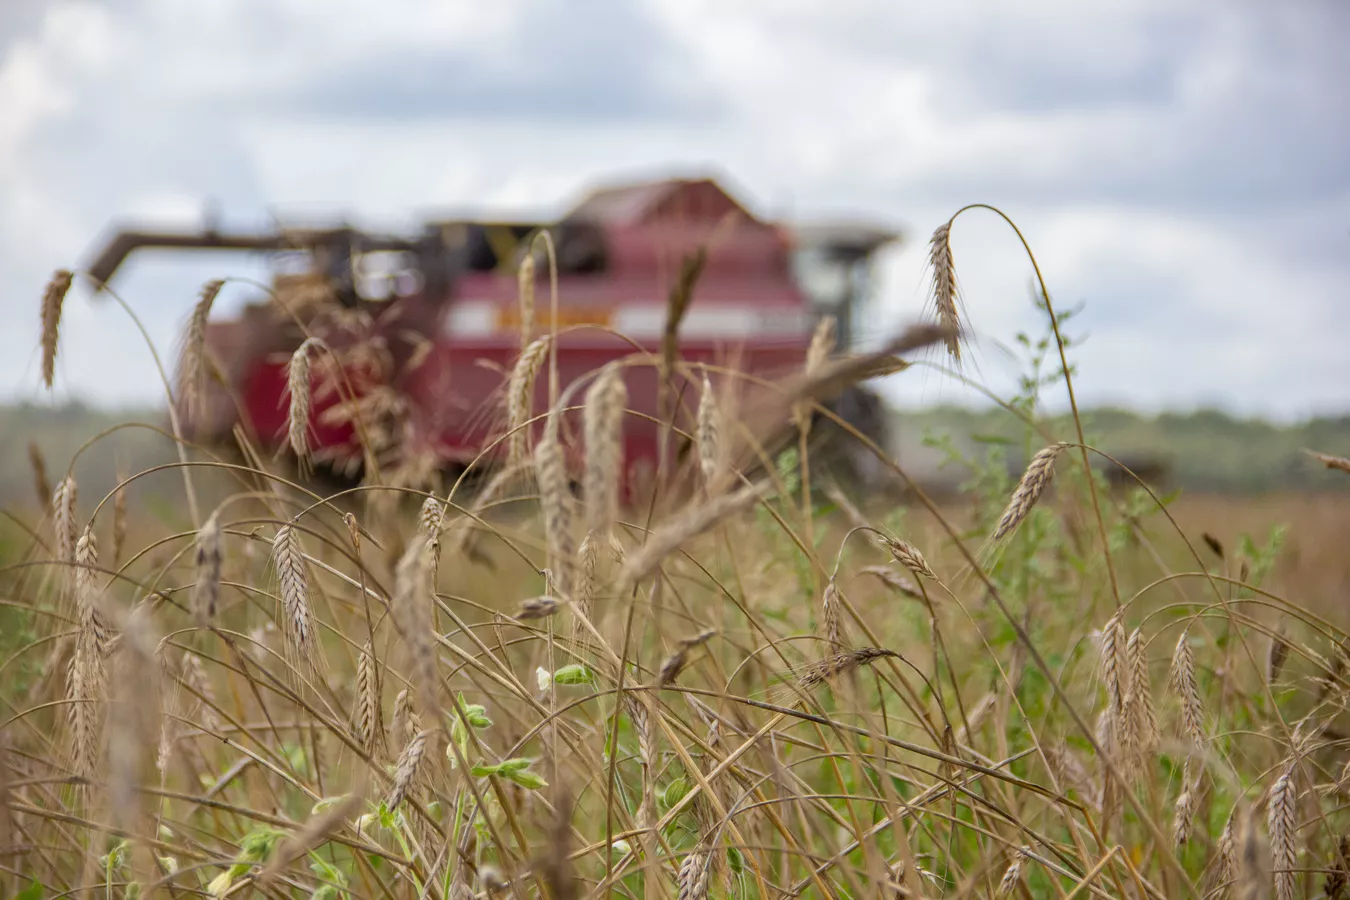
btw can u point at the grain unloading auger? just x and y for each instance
(426, 327)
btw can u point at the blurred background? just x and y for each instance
(1182, 171)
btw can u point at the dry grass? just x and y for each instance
(714, 693)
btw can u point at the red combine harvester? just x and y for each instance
(427, 328)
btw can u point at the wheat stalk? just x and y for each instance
(1283, 824)
(42, 485)
(119, 521)
(298, 388)
(944, 288)
(409, 761)
(193, 350)
(297, 616)
(206, 591)
(1279, 653)
(53, 298)
(602, 426)
(520, 397)
(1034, 481)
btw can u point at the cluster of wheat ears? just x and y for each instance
(742, 686)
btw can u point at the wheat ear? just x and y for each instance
(433, 514)
(297, 616)
(1338, 463)
(1140, 713)
(193, 351)
(708, 432)
(1183, 681)
(412, 604)
(1034, 481)
(41, 483)
(409, 761)
(695, 875)
(1012, 876)
(525, 283)
(206, 592)
(1116, 673)
(830, 625)
(368, 714)
(664, 541)
(63, 525)
(298, 387)
(909, 556)
(520, 397)
(831, 667)
(602, 426)
(944, 288)
(1283, 824)
(88, 597)
(555, 496)
(53, 298)
(822, 345)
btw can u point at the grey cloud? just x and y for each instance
(574, 62)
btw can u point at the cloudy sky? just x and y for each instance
(1181, 169)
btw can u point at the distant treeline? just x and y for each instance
(1201, 451)
(1205, 450)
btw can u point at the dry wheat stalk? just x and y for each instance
(298, 387)
(311, 834)
(525, 279)
(400, 727)
(689, 524)
(1183, 681)
(555, 496)
(409, 761)
(830, 624)
(1251, 878)
(520, 397)
(1339, 463)
(206, 591)
(944, 288)
(194, 677)
(194, 345)
(1283, 823)
(88, 597)
(1140, 714)
(53, 298)
(812, 674)
(1012, 876)
(695, 875)
(368, 714)
(602, 421)
(297, 616)
(1034, 481)
(908, 556)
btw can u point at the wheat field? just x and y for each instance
(750, 681)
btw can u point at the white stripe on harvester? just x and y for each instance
(645, 321)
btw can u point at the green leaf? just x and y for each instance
(527, 779)
(32, 892)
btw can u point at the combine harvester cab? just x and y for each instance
(421, 333)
